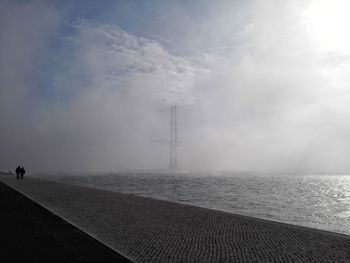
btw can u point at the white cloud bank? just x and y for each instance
(265, 100)
(108, 90)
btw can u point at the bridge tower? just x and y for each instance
(173, 143)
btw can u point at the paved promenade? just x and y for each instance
(148, 230)
(31, 233)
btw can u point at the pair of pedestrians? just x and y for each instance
(20, 172)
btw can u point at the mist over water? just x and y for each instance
(86, 87)
(317, 201)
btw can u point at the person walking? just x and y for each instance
(18, 170)
(22, 172)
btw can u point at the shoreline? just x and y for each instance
(147, 229)
(299, 214)
(264, 219)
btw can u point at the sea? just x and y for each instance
(317, 201)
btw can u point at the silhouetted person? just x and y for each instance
(18, 170)
(22, 172)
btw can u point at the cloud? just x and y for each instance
(253, 94)
(26, 29)
(108, 57)
(108, 89)
(280, 107)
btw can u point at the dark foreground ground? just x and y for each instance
(149, 230)
(30, 233)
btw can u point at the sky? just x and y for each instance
(261, 85)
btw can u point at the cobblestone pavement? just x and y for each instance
(148, 230)
(31, 233)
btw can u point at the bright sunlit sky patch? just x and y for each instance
(327, 24)
(261, 85)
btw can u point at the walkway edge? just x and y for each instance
(265, 220)
(70, 222)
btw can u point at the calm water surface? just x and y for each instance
(318, 201)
